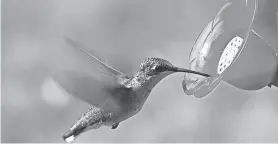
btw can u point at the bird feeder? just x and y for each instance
(229, 49)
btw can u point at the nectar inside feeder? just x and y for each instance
(229, 49)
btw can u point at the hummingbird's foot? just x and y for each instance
(114, 126)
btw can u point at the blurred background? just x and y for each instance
(124, 33)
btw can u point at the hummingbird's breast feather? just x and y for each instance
(139, 88)
(133, 103)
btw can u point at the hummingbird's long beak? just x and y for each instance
(176, 69)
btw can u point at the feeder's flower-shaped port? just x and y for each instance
(229, 49)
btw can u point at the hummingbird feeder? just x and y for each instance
(229, 49)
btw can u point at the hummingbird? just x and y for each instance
(114, 96)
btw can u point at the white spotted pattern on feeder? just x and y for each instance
(229, 54)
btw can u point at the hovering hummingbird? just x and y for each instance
(117, 96)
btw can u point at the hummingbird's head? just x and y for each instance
(155, 66)
(155, 69)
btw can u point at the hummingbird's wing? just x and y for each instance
(96, 90)
(84, 49)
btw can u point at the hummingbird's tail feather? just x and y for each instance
(71, 135)
(93, 119)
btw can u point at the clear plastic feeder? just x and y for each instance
(229, 49)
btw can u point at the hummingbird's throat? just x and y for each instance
(154, 80)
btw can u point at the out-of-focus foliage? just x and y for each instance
(124, 32)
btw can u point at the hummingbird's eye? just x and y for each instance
(160, 69)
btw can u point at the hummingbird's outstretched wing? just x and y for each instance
(84, 49)
(94, 88)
